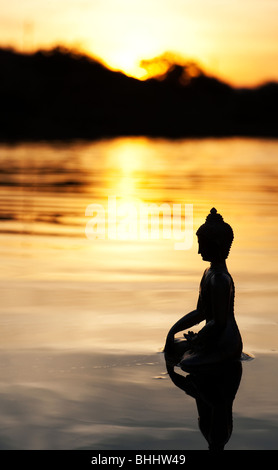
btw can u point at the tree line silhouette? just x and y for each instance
(62, 94)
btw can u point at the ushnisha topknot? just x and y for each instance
(217, 232)
(213, 217)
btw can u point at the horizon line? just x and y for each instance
(90, 55)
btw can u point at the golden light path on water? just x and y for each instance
(74, 291)
(83, 321)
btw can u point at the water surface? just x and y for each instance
(83, 321)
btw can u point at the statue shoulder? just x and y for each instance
(221, 280)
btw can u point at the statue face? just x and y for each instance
(203, 249)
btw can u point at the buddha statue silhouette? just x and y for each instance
(219, 341)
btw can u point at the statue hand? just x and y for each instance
(192, 340)
(190, 335)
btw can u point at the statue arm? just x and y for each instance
(187, 321)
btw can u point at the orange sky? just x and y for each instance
(237, 40)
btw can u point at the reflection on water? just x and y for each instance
(214, 392)
(46, 188)
(61, 292)
(43, 185)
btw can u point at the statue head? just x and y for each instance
(215, 237)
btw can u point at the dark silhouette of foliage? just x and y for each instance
(63, 94)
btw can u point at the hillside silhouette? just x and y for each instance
(60, 94)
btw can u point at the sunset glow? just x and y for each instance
(236, 41)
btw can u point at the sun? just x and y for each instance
(127, 55)
(127, 62)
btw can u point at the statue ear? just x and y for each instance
(218, 250)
